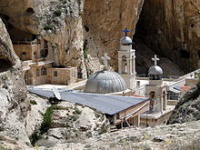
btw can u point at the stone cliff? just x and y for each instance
(75, 29)
(172, 29)
(13, 102)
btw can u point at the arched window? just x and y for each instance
(23, 56)
(124, 65)
(152, 101)
(37, 72)
(35, 55)
(164, 101)
(43, 71)
(28, 78)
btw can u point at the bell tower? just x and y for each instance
(126, 60)
(156, 90)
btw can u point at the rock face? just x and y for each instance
(72, 26)
(172, 27)
(104, 21)
(13, 102)
(188, 108)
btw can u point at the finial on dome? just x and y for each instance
(155, 59)
(126, 31)
(105, 59)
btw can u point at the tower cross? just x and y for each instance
(105, 59)
(155, 59)
(126, 31)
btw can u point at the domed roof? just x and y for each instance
(105, 82)
(155, 70)
(126, 40)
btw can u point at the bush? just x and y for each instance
(57, 12)
(33, 102)
(45, 126)
(48, 27)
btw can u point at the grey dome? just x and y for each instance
(155, 70)
(126, 40)
(105, 82)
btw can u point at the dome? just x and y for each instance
(155, 70)
(126, 40)
(105, 82)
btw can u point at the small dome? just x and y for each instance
(105, 82)
(126, 40)
(155, 70)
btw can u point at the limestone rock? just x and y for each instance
(104, 21)
(172, 28)
(13, 102)
(167, 137)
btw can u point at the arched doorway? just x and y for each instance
(28, 78)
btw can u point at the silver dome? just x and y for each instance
(155, 70)
(126, 40)
(105, 82)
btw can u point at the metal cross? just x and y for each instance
(105, 59)
(126, 31)
(155, 59)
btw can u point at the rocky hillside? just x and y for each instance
(172, 137)
(188, 108)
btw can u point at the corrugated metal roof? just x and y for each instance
(107, 104)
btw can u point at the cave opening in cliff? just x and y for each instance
(4, 65)
(16, 34)
(30, 11)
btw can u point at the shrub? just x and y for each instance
(57, 12)
(33, 102)
(48, 27)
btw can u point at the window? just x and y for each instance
(43, 71)
(23, 56)
(37, 72)
(28, 78)
(55, 73)
(124, 65)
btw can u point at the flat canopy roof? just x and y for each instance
(107, 104)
